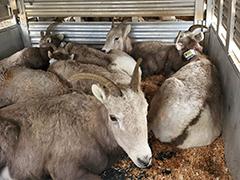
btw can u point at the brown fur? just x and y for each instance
(9, 133)
(20, 84)
(83, 54)
(157, 56)
(161, 57)
(66, 137)
(32, 57)
(66, 69)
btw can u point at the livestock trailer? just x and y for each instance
(22, 20)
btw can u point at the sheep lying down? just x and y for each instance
(186, 110)
(114, 60)
(20, 84)
(75, 135)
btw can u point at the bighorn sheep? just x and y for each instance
(81, 53)
(87, 55)
(157, 57)
(34, 57)
(68, 69)
(20, 84)
(186, 110)
(75, 136)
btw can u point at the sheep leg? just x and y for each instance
(27, 161)
(4, 102)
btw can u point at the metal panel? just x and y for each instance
(94, 33)
(108, 8)
(230, 80)
(10, 40)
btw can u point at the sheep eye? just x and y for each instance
(113, 118)
(116, 39)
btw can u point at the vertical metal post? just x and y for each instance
(13, 9)
(230, 23)
(210, 10)
(13, 6)
(24, 24)
(220, 11)
(199, 10)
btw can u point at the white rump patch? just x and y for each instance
(204, 132)
(123, 61)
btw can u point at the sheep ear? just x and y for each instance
(60, 37)
(72, 56)
(68, 47)
(126, 30)
(179, 46)
(49, 54)
(98, 92)
(42, 33)
(62, 44)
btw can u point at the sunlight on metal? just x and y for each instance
(226, 34)
(7, 23)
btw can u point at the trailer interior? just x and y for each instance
(87, 22)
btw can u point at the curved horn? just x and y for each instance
(112, 22)
(111, 86)
(52, 26)
(178, 36)
(196, 26)
(135, 82)
(68, 47)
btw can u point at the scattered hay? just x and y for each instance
(170, 162)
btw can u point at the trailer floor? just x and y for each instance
(170, 162)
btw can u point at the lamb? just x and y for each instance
(34, 57)
(19, 84)
(76, 136)
(157, 56)
(82, 53)
(186, 110)
(116, 59)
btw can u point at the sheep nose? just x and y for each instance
(145, 161)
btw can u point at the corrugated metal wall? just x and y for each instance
(94, 33)
(230, 80)
(109, 8)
